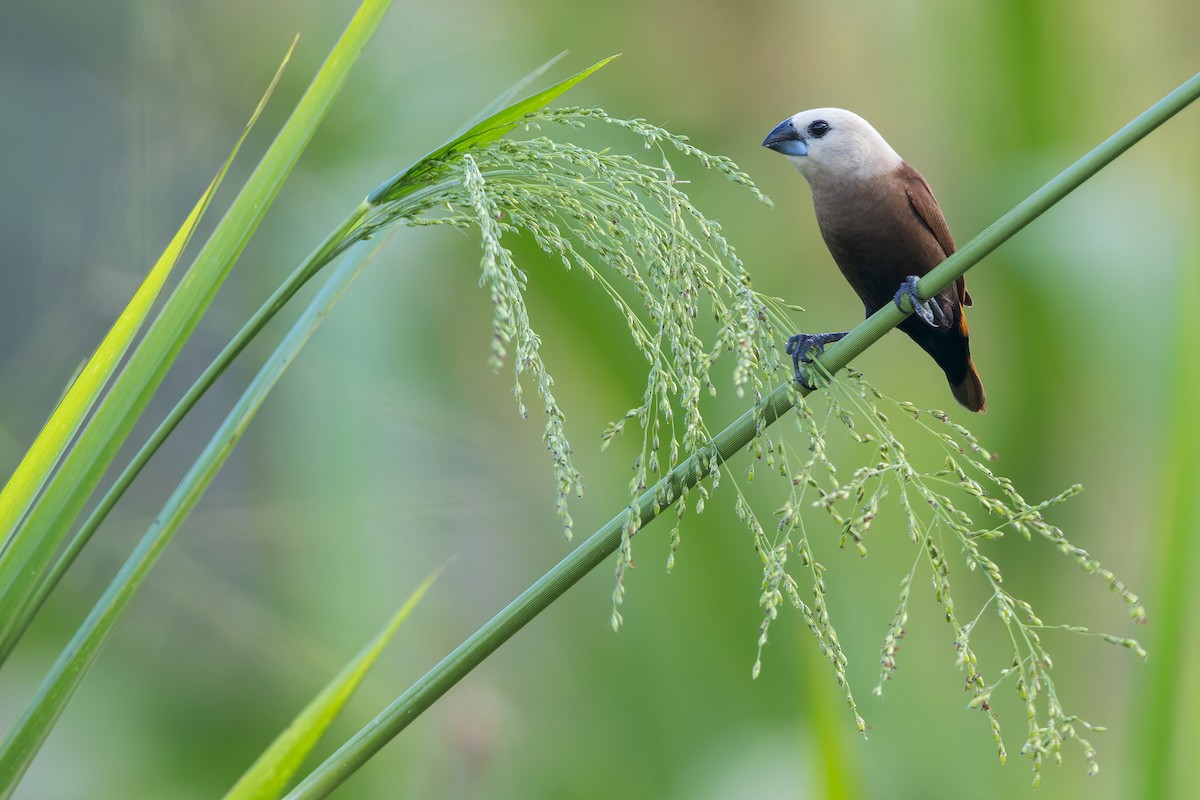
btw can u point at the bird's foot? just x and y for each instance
(930, 311)
(801, 345)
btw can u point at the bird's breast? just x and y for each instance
(874, 236)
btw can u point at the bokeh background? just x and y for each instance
(390, 447)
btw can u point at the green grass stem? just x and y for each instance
(29, 553)
(593, 552)
(324, 253)
(27, 735)
(37, 466)
(27, 558)
(272, 771)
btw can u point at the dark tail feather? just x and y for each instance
(969, 391)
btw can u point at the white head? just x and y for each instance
(832, 144)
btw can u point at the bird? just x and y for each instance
(884, 229)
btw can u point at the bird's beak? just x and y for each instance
(786, 139)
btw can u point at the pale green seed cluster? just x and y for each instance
(629, 226)
(928, 500)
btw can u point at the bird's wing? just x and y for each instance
(921, 198)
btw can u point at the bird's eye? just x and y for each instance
(819, 128)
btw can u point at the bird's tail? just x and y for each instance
(969, 391)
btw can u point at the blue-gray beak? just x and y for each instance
(786, 139)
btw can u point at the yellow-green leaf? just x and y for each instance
(47, 449)
(489, 130)
(270, 773)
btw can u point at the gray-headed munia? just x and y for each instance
(885, 230)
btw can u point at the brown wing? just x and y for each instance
(921, 198)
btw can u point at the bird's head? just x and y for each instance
(832, 144)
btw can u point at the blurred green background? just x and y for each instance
(389, 447)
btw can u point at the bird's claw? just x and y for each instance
(938, 314)
(803, 346)
(908, 289)
(930, 311)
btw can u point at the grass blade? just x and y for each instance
(38, 463)
(506, 97)
(266, 312)
(26, 560)
(428, 168)
(21, 567)
(271, 772)
(47, 449)
(30, 731)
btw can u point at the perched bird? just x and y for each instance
(885, 230)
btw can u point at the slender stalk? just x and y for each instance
(322, 255)
(27, 734)
(31, 555)
(36, 467)
(363, 241)
(30, 552)
(602, 544)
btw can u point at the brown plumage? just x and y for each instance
(882, 224)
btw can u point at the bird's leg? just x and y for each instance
(800, 345)
(930, 311)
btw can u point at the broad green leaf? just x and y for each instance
(431, 166)
(271, 772)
